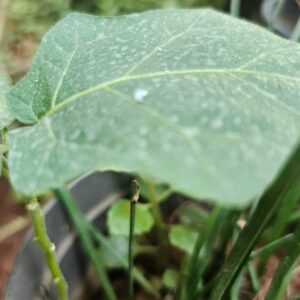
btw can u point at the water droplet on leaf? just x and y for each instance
(139, 95)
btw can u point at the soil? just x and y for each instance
(9, 211)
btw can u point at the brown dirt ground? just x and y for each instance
(9, 211)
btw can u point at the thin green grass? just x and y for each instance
(269, 202)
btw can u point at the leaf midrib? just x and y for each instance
(122, 79)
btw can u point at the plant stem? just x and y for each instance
(40, 235)
(133, 202)
(86, 239)
(130, 255)
(284, 241)
(277, 8)
(235, 7)
(296, 32)
(195, 268)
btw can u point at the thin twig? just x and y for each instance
(78, 220)
(134, 200)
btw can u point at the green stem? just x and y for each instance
(86, 239)
(41, 237)
(284, 271)
(133, 202)
(130, 256)
(296, 32)
(235, 7)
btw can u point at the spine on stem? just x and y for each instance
(41, 237)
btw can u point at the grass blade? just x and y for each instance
(85, 237)
(254, 279)
(284, 270)
(138, 276)
(281, 219)
(193, 272)
(284, 241)
(270, 200)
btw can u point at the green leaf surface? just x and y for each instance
(120, 245)
(194, 98)
(119, 215)
(192, 215)
(183, 237)
(170, 278)
(5, 116)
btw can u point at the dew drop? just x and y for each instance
(139, 95)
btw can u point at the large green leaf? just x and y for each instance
(204, 102)
(5, 116)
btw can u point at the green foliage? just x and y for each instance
(286, 185)
(170, 278)
(285, 269)
(5, 116)
(119, 214)
(158, 96)
(183, 237)
(117, 7)
(120, 245)
(35, 16)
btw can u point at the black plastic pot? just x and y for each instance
(286, 21)
(94, 193)
(30, 279)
